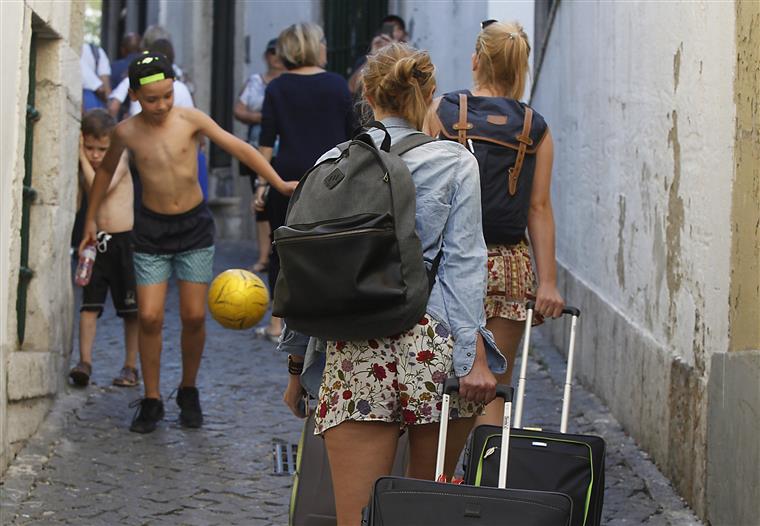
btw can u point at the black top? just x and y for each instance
(310, 114)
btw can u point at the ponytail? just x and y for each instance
(502, 50)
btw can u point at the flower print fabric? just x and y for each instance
(396, 379)
(511, 282)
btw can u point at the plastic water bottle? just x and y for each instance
(84, 268)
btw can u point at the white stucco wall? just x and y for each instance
(642, 113)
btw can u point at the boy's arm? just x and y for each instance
(88, 172)
(240, 149)
(103, 176)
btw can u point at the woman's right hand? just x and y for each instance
(89, 235)
(293, 396)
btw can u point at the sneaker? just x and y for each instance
(190, 414)
(80, 374)
(147, 416)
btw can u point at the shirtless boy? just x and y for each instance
(174, 230)
(113, 267)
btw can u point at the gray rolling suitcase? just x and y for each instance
(312, 502)
(397, 501)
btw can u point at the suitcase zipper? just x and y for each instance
(332, 235)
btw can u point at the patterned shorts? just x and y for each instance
(195, 266)
(397, 379)
(511, 282)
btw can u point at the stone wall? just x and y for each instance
(31, 374)
(643, 117)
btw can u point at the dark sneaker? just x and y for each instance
(80, 374)
(147, 416)
(190, 414)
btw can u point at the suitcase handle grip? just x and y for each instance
(505, 392)
(572, 311)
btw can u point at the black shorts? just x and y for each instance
(156, 233)
(113, 270)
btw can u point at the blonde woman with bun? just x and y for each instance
(373, 390)
(515, 152)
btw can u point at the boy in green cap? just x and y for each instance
(174, 230)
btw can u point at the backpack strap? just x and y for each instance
(410, 142)
(525, 141)
(462, 126)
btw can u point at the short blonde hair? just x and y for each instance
(400, 80)
(502, 50)
(299, 45)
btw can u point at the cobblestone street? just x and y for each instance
(84, 467)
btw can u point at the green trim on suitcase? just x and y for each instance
(479, 472)
(294, 491)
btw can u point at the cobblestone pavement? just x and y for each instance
(84, 467)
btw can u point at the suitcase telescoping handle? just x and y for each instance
(575, 313)
(505, 392)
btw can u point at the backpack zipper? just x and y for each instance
(332, 235)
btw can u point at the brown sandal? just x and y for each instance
(128, 377)
(80, 374)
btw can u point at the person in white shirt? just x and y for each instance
(182, 95)
(96, 73)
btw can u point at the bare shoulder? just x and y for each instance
(189, 114)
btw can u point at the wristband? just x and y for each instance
(295, 368)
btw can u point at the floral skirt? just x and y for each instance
(397, 379)
(511, 282)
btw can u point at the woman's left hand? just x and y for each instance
(293, 396)
(549, 302)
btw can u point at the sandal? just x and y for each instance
(80, 374)
(128, 377)
(263, 334)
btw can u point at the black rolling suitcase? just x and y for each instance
(542, 460)
(397, 501)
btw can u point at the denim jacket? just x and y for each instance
(448, 220)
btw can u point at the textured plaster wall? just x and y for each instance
(14, 25)
(642, 114)
(31, 374)
(744, 313)
(733, 463)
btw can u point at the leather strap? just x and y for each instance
(525, 141)
(462, 126)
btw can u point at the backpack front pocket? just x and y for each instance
(349, 264)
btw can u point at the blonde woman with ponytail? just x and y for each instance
(514, 149)
(373, 390)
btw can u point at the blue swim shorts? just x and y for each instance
(193, 265)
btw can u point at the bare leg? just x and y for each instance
(192, 312)
(423, 445)
(131, 336)
(359, 453)
(265, 246)
(275, 326)
(150, 308)
(87, 328)
(507, 334)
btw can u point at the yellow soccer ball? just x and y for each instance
(238, 299)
